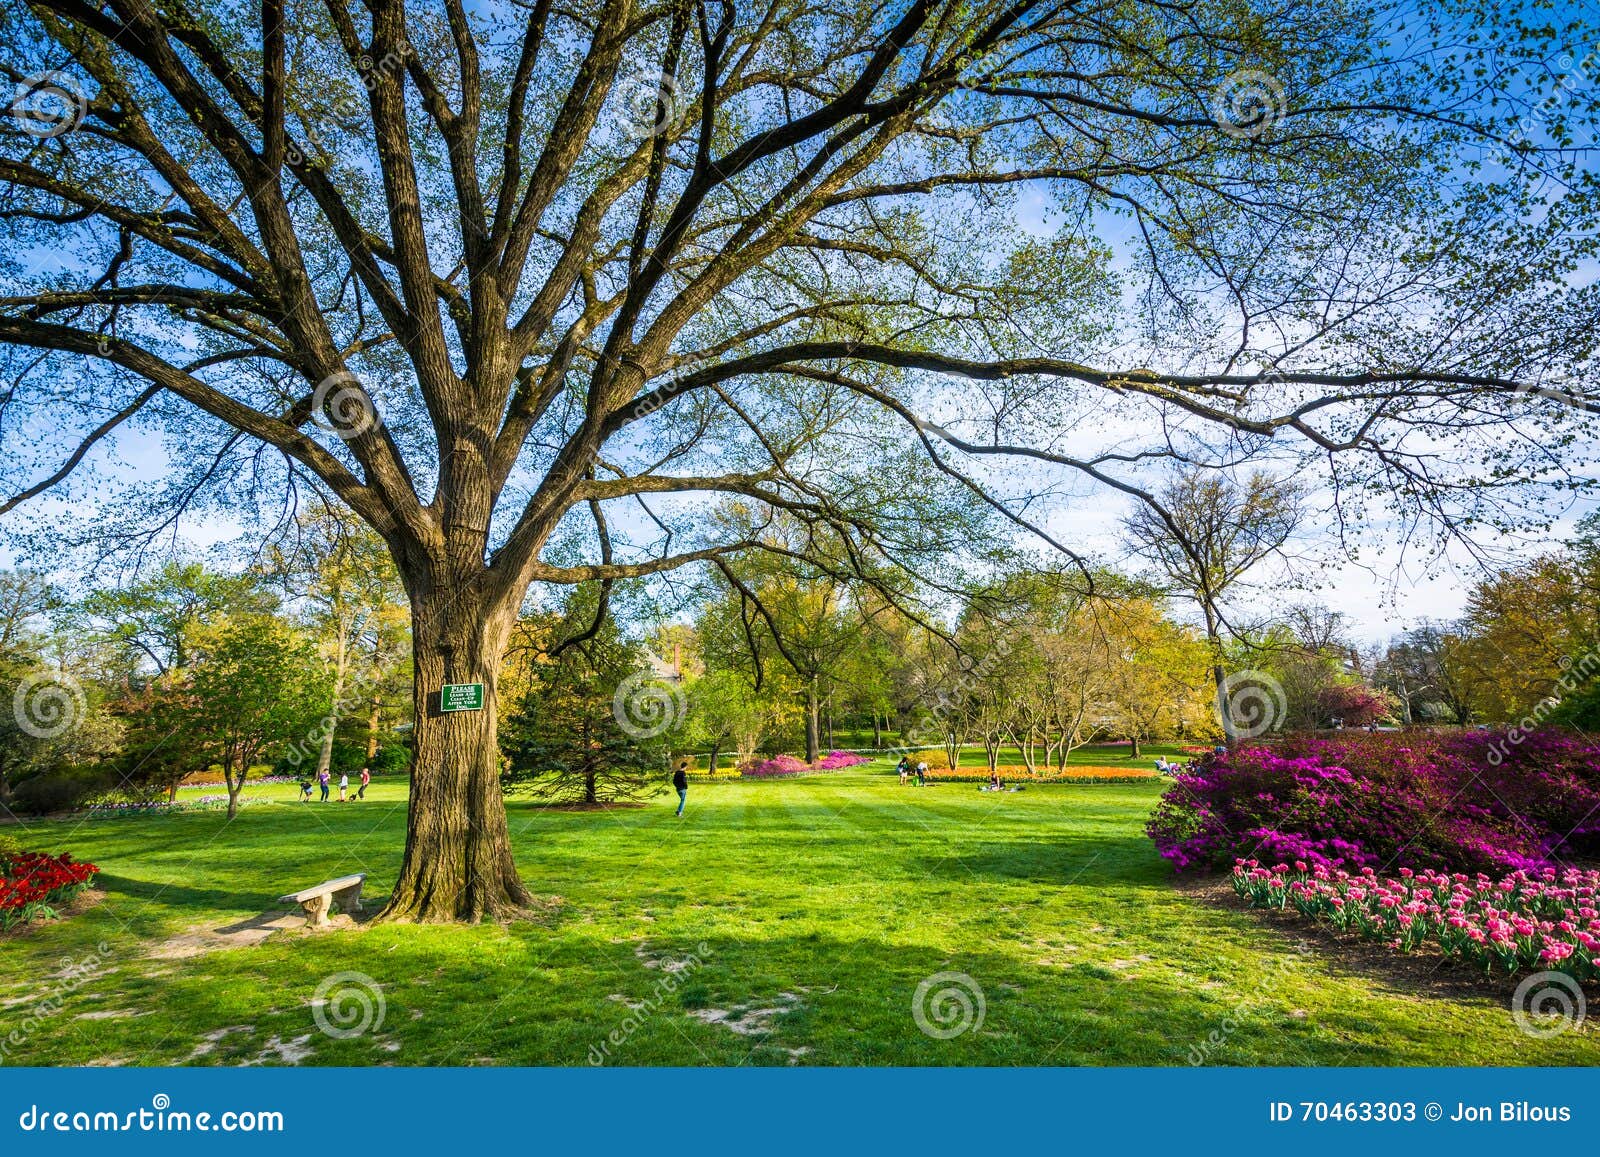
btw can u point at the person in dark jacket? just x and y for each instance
(680, 780)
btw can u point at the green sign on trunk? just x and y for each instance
(461, 697)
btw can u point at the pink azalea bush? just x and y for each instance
(1547, 919)
(777, 766)
(1464, 801)
(772, 767)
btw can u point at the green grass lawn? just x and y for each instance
(802, 915)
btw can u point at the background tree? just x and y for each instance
(1153, 669)
(156, 617)
(725, 713)
(1435, 657)
(252, 688)
(56, 729)
(565, 742)
(437, 261)
(1202, 534)
(340, 574)
(1525, 626)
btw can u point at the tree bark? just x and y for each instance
(458, 864)
(235, 787)
(331, 723)
(1220, 676)
(372, 730)
(813, 739)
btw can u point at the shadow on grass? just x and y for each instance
(1087, 861)
(815, 1000)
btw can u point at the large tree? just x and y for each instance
(492, 275)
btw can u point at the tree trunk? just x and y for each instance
(458, 864)
(235, 787)
(1220, 676)
(331, 723)
(1133, 752)
(372, 731)
(1224, 712)
(712, 760)
(877, 733)
(813, 739)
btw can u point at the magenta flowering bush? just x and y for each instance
(781, 765)
(1470, 801)
(1547, 919)
(772, 767)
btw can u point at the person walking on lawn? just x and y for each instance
(344, 786)
(322, 779)
(680, 780)
(366, 778)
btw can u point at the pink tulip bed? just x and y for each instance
(1458, 801)
(1547, 919)
(786, 766)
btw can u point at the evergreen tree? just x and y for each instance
(566, 741)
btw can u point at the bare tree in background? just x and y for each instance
(1203, 533)
(530, 286)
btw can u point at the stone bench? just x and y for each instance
(345, 891)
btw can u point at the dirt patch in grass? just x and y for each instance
(748, 1020)
(199, 939)
(1425, 971)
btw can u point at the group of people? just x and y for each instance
(324, 778)
(1165, 766)
(907, 770)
